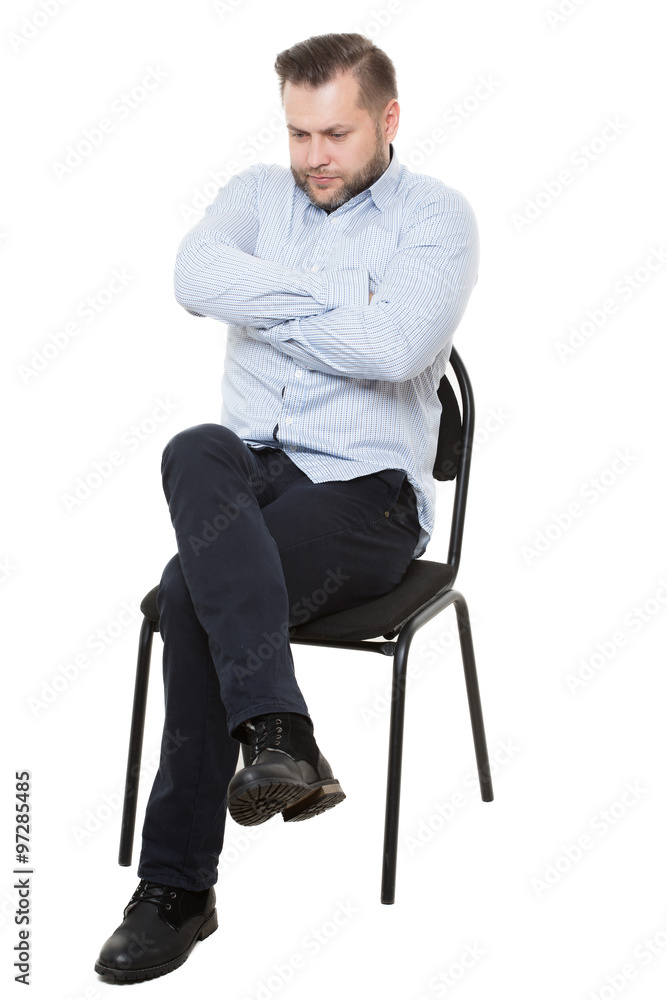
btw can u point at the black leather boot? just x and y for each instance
(161, 927)
(285, 772)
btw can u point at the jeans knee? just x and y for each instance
(193, 440)
(188, 440)
(173, 591)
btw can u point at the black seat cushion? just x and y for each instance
(422, 582)
(149, 606)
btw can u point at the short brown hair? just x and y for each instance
(319, 59)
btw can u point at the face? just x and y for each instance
(337, 149)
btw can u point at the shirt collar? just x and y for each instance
(384, 188)
(381, 191)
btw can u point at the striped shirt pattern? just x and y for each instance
(345, 387)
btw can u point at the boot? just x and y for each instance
(285, 772)
(161, 926)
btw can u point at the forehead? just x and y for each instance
(335, 101)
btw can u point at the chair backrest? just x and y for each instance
(455, 440)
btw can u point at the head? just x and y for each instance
(340, 99)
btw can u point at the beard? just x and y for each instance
(353, 184)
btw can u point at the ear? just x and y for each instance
(389, 119)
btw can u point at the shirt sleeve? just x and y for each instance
(418, 303)
(216, 273)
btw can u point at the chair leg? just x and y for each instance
(390, 850)
(401, 650)
(136, 742)
(474, 701)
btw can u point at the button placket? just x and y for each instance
(294, 401)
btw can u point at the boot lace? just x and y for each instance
(267, 733)
(153, 892)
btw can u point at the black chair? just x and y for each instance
(424, 592)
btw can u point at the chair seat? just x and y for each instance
(422, 582)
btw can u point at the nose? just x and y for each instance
(317, 153)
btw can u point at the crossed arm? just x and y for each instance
(331, 321)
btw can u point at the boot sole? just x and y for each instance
(258, 801)
(314, 803)
(137, 975)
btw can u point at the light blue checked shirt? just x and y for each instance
(345, 387)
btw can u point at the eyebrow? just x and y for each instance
(338, 127)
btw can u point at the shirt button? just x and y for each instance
(288, 420)
(299, 373)
(315, 267)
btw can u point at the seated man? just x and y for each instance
(342, 281)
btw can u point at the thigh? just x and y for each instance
(208, 464)
(342, 543)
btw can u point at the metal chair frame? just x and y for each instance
(399, 650)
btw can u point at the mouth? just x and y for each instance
(321, 178)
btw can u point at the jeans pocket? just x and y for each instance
(395, 480)
(404, 505)
(401, 500)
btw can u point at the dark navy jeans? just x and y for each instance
(260, 548)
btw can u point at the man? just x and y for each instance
(342, 281)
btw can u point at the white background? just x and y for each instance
(492, 880)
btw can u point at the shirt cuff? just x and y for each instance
(347, 286)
